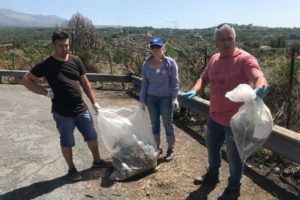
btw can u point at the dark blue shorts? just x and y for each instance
(66, 127)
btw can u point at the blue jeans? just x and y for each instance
(215, 138)
(66, 127)
(161, 106)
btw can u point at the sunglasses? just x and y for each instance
(155, 47)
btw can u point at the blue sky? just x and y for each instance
(168, 13)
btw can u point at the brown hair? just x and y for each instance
(59, 35)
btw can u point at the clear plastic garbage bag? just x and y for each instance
(252, 124)
(127, 134)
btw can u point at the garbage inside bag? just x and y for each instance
(252, 124)
(127, 134)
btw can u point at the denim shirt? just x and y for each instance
(162, 82)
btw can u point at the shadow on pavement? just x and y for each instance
(260, 180)
(40, 188)
(201, 193)
(106, 182)
(139, 176)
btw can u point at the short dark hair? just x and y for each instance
(59, 35)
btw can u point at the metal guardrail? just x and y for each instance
(91, 76)
(14, 73)
(109, 78)
(282, 141)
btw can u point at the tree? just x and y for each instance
(83, 39)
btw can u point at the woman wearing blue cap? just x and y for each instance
(159, 90)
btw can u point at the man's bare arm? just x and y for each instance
(29, 81)
(87, 88)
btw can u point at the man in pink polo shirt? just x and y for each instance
(226, 69)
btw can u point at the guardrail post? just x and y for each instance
(290, 87)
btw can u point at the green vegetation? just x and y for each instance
(122, 50)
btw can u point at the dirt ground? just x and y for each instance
(31, 165)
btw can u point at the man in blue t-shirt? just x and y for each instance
(66, 75)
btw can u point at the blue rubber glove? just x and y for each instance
(262, 91)
(190, 94)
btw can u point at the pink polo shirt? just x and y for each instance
(223, 75)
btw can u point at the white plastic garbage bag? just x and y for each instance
(252, 124)
(127, 134)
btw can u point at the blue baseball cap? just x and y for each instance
(157, 41)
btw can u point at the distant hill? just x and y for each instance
(17, 19)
